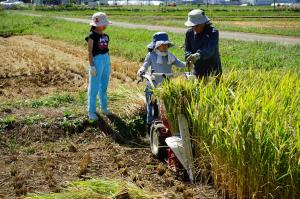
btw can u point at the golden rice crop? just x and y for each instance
(246, 130)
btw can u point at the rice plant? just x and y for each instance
(246, 130)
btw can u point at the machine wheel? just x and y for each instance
(157, 142)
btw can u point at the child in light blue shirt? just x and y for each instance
(159, 60)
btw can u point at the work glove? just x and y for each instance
(189, 65)
(193, 58)
(93, 72)
(140, 72)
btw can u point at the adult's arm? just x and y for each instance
(208, 52)
(188, 47)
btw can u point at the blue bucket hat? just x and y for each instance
(158, 39)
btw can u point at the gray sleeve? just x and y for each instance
(179, 64)
(147, 62)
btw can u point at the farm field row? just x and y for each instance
(212, 10)
(263, 20)
(271, 26)
(282, 26)
(131, 44)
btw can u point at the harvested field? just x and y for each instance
(45, 146)
(31, 66)
(34, 67)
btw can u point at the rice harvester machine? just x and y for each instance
(175, 148)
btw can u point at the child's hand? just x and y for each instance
(140, 72)
(93, 72)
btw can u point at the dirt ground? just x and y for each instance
(38, 158)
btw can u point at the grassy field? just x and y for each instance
(281, 26)
(264, 20)
(131, 44)
(212, 10)
(246, 128)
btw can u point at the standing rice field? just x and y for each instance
(246, 130)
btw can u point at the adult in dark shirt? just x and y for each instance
(202, 45)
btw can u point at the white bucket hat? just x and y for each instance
(196, 17)
(99, 19)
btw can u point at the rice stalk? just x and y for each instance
(245, 130)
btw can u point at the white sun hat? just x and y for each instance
(99, 19)
(196, 17)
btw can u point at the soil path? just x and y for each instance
(223, 34)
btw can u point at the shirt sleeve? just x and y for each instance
(90, 35)
(212, 46)
(147, 63)
(188, 47)
(179, 64)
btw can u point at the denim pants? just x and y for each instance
(149, 107)
(99, 83)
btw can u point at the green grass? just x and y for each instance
(95, 188)
(246, 130)
(131, 43)
(269, 25)
(222, 24)
(169, 16)
(55, 100)
(70, 101)
(33, 119)
(212, 10)
(7, 121)
(266, 27)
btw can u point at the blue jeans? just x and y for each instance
(149, 107)
(99, 83)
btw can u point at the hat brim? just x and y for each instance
(170, 44)
(190, 23)
(100, 24)
(152, 45)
